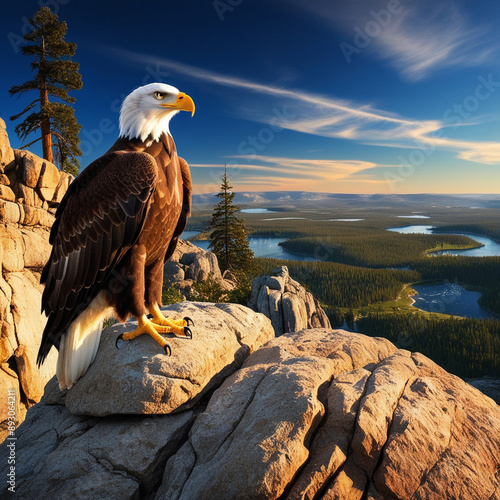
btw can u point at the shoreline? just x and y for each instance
(473, 234)
(466, 287)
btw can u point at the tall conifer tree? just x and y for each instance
(55, 75)
(228, 238)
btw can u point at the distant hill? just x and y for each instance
(305, 198)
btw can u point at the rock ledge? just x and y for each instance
(314, 414)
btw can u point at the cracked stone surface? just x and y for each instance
(140, 379)
(60, 455)
(316, 414)
(332, 414)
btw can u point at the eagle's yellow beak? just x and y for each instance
(183, 103)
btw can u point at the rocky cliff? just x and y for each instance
(286, 302)
(30, 189)
(191, 264)
(318, 413)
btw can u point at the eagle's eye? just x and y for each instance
(159, 95)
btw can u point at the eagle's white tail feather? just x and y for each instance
(78, 347)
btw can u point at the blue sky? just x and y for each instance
(392, 96)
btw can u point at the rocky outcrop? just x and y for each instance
(191, 264)
(287, 303)
(332, 414)
(313, 414)
(139, 378)
(123, 456)
(30, 188)
(86, 458)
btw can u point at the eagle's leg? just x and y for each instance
(146, 326)
(152, 298)
(179, 327)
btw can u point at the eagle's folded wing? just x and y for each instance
(98, 220)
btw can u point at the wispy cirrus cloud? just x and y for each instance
(302, 174)
(429, 37)
(416, 38)
(327, 116)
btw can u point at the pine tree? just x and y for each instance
(228, 238)
(55, 75)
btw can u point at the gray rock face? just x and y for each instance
(313, 414)
(139, 378)
(191, 264)
(287, 303)
(83, 457)
(332, 414)
(122, 456)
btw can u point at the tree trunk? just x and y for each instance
(45, 125)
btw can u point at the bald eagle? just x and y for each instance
(117, 224)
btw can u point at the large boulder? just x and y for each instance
(313, 414)
(36, 248)
(286, 302)
(11, 212)
(139, 378)
(83, 457)
(332, 414)
(191, 264)
(123, 456)
(29, 167)
(11, 240)
(6, 193)
(49, 180)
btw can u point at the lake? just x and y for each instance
(490, 248)
(257, 211)
(412, 216)
(338, 220)
(449, 298)
(262, 247)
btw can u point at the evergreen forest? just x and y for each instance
(363, 274)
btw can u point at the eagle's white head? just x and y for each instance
(148, 110)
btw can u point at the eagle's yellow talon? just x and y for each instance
(146, 326)
(178, 326)
(178, 331)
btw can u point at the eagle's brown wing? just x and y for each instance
(98, 220)
(186, 207)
